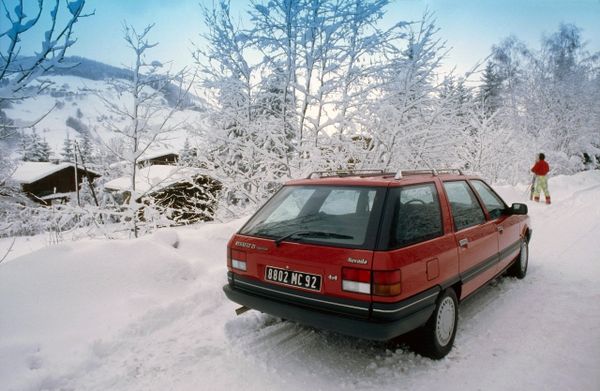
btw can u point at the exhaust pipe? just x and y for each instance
(241, 310)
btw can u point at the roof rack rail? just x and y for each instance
(435, 172)
(343, 173)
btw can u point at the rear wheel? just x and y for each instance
(437, 336)
(519, 267)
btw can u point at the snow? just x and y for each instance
(73, 95)
(29, 172)
(149, 314)
(153, 178)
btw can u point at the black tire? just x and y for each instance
(519, 267)
(437, 336)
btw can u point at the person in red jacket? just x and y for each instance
(540, 169)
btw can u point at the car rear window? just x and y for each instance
(332, 215)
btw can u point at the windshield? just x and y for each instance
(341, 216)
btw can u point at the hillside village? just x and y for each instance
(68, 156)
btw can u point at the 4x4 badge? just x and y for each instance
(332, 277)
(360, 261)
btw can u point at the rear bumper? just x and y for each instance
(377, 322)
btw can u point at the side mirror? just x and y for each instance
(518, 209)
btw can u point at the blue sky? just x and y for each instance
(470, 27)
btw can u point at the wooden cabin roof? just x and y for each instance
(30, 172)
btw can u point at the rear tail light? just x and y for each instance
(382, 283)
(237, 264)
(238, 260)
(387, 283)
(356, 280)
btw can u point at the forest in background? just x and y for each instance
(333, 89)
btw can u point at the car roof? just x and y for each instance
(378, 179)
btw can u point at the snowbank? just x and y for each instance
(57, 301)
(148, 315)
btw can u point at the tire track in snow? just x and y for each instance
(165, 340)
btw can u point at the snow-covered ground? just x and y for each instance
(144, 315)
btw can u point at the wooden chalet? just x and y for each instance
(50, 182)
(158, 158)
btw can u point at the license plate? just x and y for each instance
(292, 278)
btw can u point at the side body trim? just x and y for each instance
(489, 262)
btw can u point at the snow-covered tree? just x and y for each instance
(549, 97)
(46, 151)
(85, 148)
(7, 128)
(529, 101)
(67, 149)
(19, 76)
(412, 120)
(331, 89)
(490, 89)
(298, 106)
(18, 72)
(565, 88)
(186, 155)
(141, 100)
(510, 58)
(327, 53)
(34, 148)
(236, 128)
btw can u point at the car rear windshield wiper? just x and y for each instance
(264, 229)
(314, 234)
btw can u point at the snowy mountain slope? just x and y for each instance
(141, 315)
(79, 98)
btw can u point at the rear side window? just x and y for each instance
(493, 203)
(466, 211)
(416, 215)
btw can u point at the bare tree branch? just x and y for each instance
(8, 250)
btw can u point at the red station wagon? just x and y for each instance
(375, 255)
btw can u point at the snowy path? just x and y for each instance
(540, 333)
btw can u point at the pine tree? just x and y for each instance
(45, 151)
(86, 196)
(34, 149)
(67, 151)
(85, 148)
(490, 88)
(186, 155)
(24, 147)
(7, 129)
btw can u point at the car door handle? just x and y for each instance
(463, 242)
(500, 229)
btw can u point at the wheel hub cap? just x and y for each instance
(524, 257)
(445, 321)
